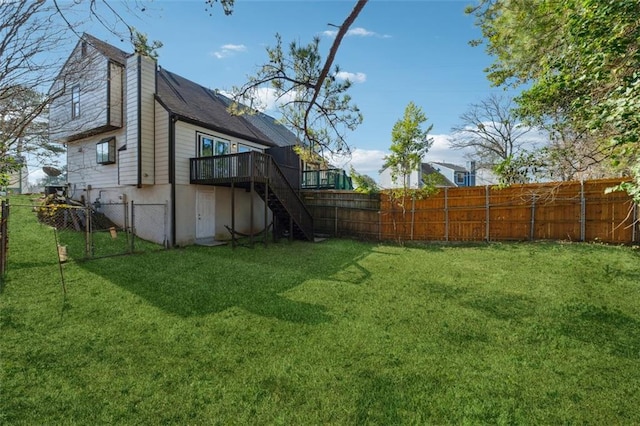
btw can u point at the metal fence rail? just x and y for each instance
(96, 231)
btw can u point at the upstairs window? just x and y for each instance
(106, 151)
(209, 146)
(459, 178)
(75, 102)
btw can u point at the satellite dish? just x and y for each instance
(51, 171)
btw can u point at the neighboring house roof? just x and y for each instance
(428, 169)
(450, 166)
(106, 49)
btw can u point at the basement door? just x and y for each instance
(205, 214)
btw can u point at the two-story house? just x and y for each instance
(137, 132)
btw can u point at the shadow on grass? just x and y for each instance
(609, 329)
(203, 280)
(503, 306)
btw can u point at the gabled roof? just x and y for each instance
(204, 106)
(450, 166)
(428, 169)
(111, 52)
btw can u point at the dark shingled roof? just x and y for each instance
(106, 49)
(204, 106)
(267, 125)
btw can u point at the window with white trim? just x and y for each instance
(75, 102)
(210, 145)
(459, 178)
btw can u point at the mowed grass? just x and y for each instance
(338, 332)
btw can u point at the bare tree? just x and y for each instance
(574, 153)
(34, 40)
(491, 130)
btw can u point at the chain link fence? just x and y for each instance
(99, 230)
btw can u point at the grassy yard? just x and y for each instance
(338, 332)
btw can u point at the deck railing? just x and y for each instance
(326, 179)
(253, 167)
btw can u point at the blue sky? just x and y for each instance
(397, 52)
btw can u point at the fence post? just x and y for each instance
(413, 213)
(533, 217)
(583, 207)
(166, 224)
(133, 227)
(446, 213)
(3, 238)
(88, 243)
(635, 223)
(379, 225)
(486, 200)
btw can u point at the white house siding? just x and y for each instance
(141, 125)
(147, 105)
(116, 95)
(161, 144)
(186, 145)
(387, 182)
(90, 74)
(82, 168)
(186, 212)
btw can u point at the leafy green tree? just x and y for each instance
(363, 184)
(410, 142)
(578, 58)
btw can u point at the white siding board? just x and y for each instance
(116, 98)
(186, 145)
(82, 169)
(90, 74)
(161, 144)
(129, 158)
(147, 105)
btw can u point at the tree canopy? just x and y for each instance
(313, 103)
(409, 143)
(578, 58)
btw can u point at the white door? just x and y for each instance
(205, 214)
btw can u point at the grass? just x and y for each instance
(339, 332)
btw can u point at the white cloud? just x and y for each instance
(264, 99)
(358, 77)
(441, 152)
(229, 49)
(358, 32)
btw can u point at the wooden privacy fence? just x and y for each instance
(553, 211)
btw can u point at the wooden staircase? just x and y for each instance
(261, 173)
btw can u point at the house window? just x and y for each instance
(106, 151)
(75, 102)
(222, 147)
(210, 145)
(459, 178)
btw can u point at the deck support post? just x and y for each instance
(233, 216)
(251, 212)
(266, 211)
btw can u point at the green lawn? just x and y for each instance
(338, 332)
